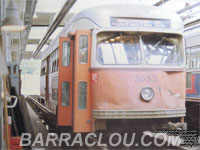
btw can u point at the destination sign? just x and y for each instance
(141, 23)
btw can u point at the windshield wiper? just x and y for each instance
(159, 42)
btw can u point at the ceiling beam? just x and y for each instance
(188, 7)
(37, 41)
(44, 19)
(161, 2)
(60, 16)
(28, 15)
(45, 25)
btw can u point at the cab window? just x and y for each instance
(118, 49)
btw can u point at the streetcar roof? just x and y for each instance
(101, 18)
(101, 15)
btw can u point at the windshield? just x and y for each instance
(162, 50)
(118, 48)
(125, 48)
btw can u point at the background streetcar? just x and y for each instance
(193, 77)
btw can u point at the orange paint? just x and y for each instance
(94, 77)
(82, 118)
(119, 89)
(65, 74)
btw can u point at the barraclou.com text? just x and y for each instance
(114, 139)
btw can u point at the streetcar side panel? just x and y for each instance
(193, 85)
(52, 103)
(42, 87)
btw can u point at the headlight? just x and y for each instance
(147, 94)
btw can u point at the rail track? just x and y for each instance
(46, 117)
(49, 120)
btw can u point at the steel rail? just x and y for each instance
(44, 109)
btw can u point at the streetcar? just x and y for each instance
(193, 77)
(114, 67)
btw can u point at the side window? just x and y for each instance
(82, 95)
(55, 88)
(83, 49)
(53, 70)
(9, 69)
(15, 69)
(65, 93)
(189, 80)
(51, 64)
(53, 61)
(56, 59)
(66, 54)
(43, 67)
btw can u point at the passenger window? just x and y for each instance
(65, 93)
(83, 49)
(189, 80)
(82, 95)
(9, 70)
(50, 64)
(15, 69)
(53, 66)
(43, 72)
(58, 64)
(66, 54)
(55, 88)
(56, 60)
(43, 66)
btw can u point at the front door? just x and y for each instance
(82, 99)
(74, 82)
(65, 82)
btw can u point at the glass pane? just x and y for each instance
(162, 50)
(43, 67)
(189, 80)
(65, 93)
(83, 49)
(66, 54)
(50, 64)
(9, 70)
(82, 95)
(193, 58)
(118, 48)
(55, 88)
(15, 69)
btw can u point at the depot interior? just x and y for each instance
(29, 26)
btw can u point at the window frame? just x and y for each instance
(68, 57)
(167, 65)
(139, 63)
(67, 100)
(85, 108)
(143, 64)
(79, 52)
(190, 80)
(43, 67)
